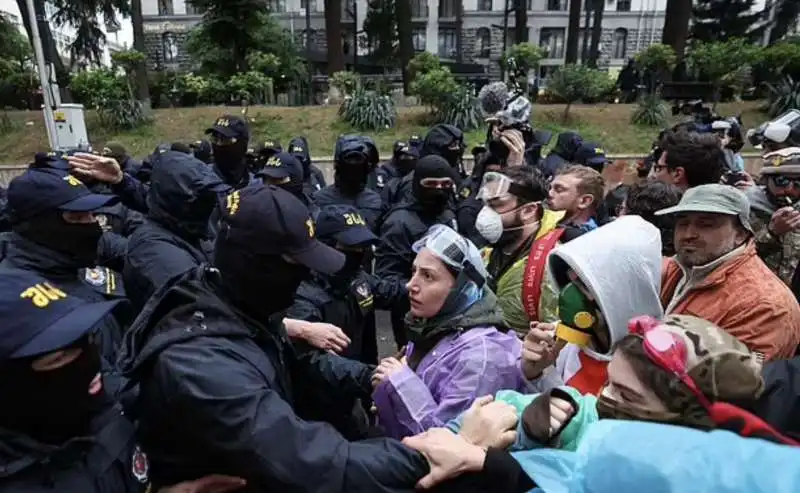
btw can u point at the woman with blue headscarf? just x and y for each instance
(459, 348)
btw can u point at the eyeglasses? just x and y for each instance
(657, 168)
(670, 353)
(785, 181)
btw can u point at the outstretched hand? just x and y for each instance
(101, 168)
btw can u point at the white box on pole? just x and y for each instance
(70, 127)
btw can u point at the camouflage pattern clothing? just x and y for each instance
(780, 253)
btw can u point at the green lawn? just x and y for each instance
(607, 124)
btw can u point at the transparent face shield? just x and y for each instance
(455, 251)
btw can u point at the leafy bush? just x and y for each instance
(657, 57)
(462, 110)
(19, 91)
(526, 56)
(434, 87)
(92, 87)
(422, 64)
(720, 62)
(574, 83)
(253, 87)
(651, 111)
(368, 110)
(783, 96)
(782, 59)
(121, 114)
(345, 82)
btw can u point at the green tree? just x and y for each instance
(17, 55)
(676, 25)
(142, 83)
(380, 32)
(721, 20)
(719, 62)
(86, 17)
(782, 59)
(423, 63)
(787, 14)
(574, 83)
(526, 57)
(659, 59)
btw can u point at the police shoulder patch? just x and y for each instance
(95, 276)
(140, 465)
(465, 192)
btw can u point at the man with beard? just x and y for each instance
(229, 140)
(516, 224)
(220, 387)
(404, 158)
(431, 203)
(775, 220)
(313, 178)
(55, 235)
(352, 164)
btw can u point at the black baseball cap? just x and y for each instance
(231, 127)
(44, 189)
(267, 220)
(282, 165)
(344, 224)
(40, 317)
(591, 154)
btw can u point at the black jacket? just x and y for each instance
(108, 461)
(347, 307)
(313, 177)
(368, 203)
(97, 284)
(402, 227)
(779, 404)
(562, 154)
(219, 391)
(175, 237)
(118, 223)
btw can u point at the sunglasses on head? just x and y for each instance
(784, 181)
(669, 352)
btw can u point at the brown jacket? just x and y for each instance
(743, 297)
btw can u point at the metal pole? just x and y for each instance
(355, 36)
(309, 65)
(43, 79)
(505, 43)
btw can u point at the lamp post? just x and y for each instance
(44, 80)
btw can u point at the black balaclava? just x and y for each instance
(351, 172)
(446, 141)
(231, 161)
(432, 200)
(244, 273)
(51, 406)
(78, 241)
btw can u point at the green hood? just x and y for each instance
(482, 313)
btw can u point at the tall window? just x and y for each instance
(447, 42)
(419, 8)
(485, 5)
(276, 6)
(165, 7)
(620, 43)
(484, 42)
(623, 5)
(556, 5)
(169, 44)
(419, 37)
(449, 8)
(552, 40)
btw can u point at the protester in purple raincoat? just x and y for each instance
(459, 348)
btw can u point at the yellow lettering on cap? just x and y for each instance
(310, 227)
(42, 294)
(273, 162)
(269, 143)
(599, 150)
(72, 181)
(232, 202)
(353, 219)
(297, 149)
(223, 122)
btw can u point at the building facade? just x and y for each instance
(117, 39)
(628, 27)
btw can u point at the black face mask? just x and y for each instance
(351, 178)
(78, 241)
(51, 406)
(230, 160)
(247, 276)
(434, 200)
(405, 166)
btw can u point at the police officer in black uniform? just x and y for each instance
(56, 235)
(258, 154)
(404, 158)
(313, 178)
(202, 151)
(230, 138)
(61, 426)
(285, 171)
(348, 298)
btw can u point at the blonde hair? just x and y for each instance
(591, 182)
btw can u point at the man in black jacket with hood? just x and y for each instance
(404, 158)
(431, 203)
(230, 137)
(175, 236)
(313, 178)
(562, 155)
(220, 387)
(354, 159)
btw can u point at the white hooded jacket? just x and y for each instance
(621, 265)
